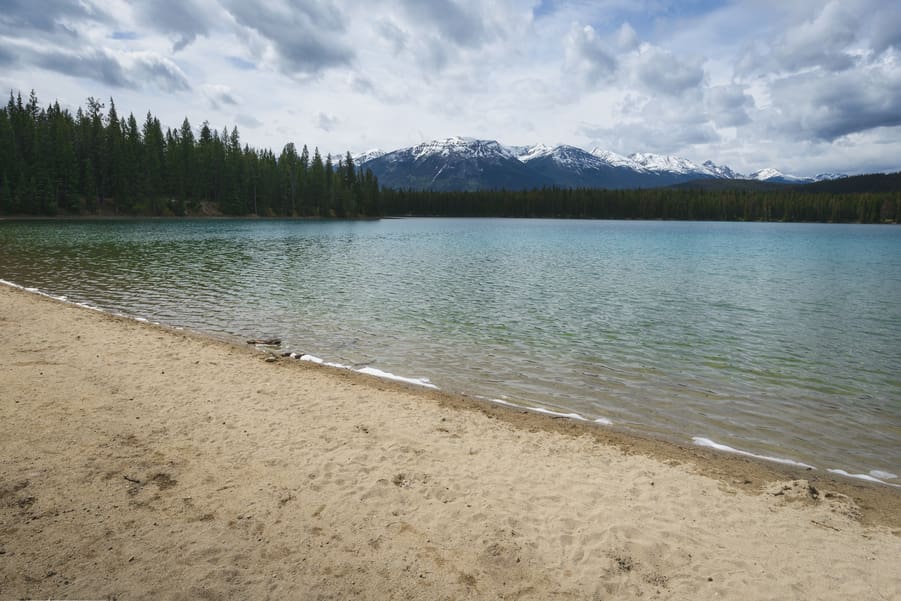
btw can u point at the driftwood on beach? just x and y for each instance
(265, 341)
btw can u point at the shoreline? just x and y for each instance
(143, 461)
(786, 462)
(778, 466)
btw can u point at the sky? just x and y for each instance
(802, 86)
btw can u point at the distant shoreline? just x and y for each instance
(10, 218)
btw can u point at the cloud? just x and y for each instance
(305, 35)
(660, 71)
(586, 54)
(463, 27)
(182, 20)
(19, 17)
(161, 71)
(362, 85)
(219, 95)
(886, 32)
(391, 33)
(7, 57)
(95, 64)
(830, 40)
(136, 70)
(728, 105)
(124, 35)
(659, 136)
(626, 37)
(326, 122)
(240, 63)
(820, 42)
(661, 124)
(245, 120)
(827, 107)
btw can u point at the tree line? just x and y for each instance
(96, 162)
(785, 204)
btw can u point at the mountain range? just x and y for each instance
(460, 163)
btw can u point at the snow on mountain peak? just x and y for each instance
(770, 174)
(721, 171)
(665, 163)
(528, 153)
(616, 160)
(461, 147)
(577, 161)
(765, 174)
(368, 155)
(828, 176)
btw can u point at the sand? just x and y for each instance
(138, 462)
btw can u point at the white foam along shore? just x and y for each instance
(875, 476)
(371, 371)
(576, 416)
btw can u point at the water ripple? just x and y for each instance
(778, 339)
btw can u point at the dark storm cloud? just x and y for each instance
(305, 34)
(823, 108)
(449, 20)
(19, 17)
(182, 20)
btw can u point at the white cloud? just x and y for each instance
(659, 71)
(588, 56)
(326, 122)
(728, 105)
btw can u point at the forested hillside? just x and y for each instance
(96, 162)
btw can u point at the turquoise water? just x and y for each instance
(782, 340)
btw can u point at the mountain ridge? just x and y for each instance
(466, 164)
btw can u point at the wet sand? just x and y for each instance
(139, 462)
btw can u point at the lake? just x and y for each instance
(780, 340)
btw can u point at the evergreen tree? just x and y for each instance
(317, 184)
(113, 164)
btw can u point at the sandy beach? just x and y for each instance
(139, 462)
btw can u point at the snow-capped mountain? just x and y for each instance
(721, 171)
(573, 167)
(616, 160)
(459, 163)
(659, 163)
(819, 177)
(455, 164)
(776, 176)
(365, 157)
